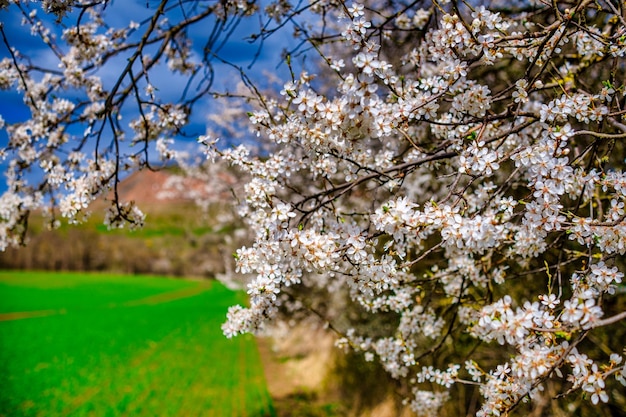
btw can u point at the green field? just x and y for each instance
(104, 345)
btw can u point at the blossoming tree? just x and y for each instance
(454, 175)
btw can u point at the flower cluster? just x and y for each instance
(85, 78)
(449, 190)
(423, 187)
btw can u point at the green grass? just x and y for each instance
(112, 346)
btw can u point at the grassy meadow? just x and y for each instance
(76, 344)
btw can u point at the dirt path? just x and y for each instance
(298, 362)
(20, 315)
(170, 296)
(76, 402)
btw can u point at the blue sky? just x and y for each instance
(237, 50)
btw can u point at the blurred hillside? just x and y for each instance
(179, 238)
